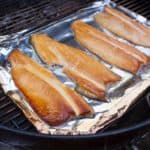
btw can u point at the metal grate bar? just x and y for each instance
(14, 123)
(5, 105)
(144, 10)
(11, 117)
(37, 15)
(6, 111)
(138, 7)
(3, 97)
(27, 128)
(129, 3)
(25, 125)
(21, 121)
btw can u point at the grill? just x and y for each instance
(140, 6)
(18, 15)
(35, 13)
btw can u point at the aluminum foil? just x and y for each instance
(120, 95)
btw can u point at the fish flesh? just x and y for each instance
(109, 49)
(53, 102)
(90, 75)
(124, 26)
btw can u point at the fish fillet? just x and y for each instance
(124, 26)
(86, 71)
(109, 49)
(50, 99)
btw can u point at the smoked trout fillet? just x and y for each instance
(53, 102)
(124, 26)
(91, 76)
(109, 49)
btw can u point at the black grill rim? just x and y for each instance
(132, 128)
(124, 130)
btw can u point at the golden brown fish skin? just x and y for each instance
(52, 112)
(124, 47)
(124, 26)
(87, 93)
(47, 75)
(106, 47)
(74, 62)
(47, 101)
(87, 86)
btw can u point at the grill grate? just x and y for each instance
(25, 14)
(17, 15)
(37, 14)
(139, 6)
